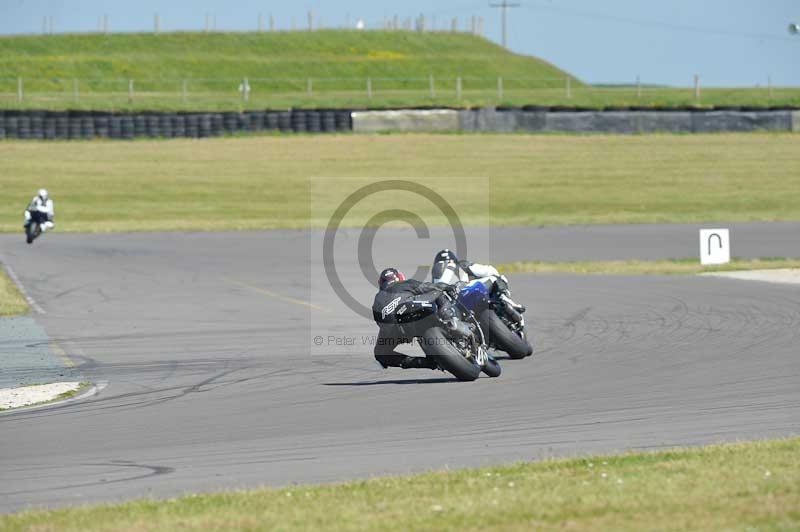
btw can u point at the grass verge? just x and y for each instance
(743, 486)
(264, 182)
(633, 267)
(72, 393)
(11, 300)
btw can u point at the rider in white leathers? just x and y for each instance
(449, 270)
(42, 204)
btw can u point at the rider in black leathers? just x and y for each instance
(394, 288)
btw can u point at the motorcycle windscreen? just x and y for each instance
(445, 272)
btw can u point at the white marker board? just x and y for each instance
(715, 246)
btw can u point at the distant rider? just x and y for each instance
(449, 270)
(395, 288)
(40, 210)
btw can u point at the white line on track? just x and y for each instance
(13, 276)
(270, 293)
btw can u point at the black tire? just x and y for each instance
(271, 120)
(314, 121)
(12, 127)
(75, 128)
(328, 121)
(344, 121)
(101, 126)
(230, 122)
(285, 121)
(139, 126)
(165, 125)
(434, 344)
(87, 127)
(37, 126)
(153, 129)
(24, 127)
(500, 336)
(205, 125)
(492, 368)
(217, 125)
(30, 233)
(299, 121)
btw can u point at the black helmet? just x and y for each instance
(445, 255)
(445, 267)
(390, 276)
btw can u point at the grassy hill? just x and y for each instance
(318, 54)
(324, 68)
(276, 63)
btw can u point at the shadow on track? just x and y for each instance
(437, 380)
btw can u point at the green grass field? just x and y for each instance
(688, 266)
(266, 182)
(743, 486)
(280, 64)
(11, 301)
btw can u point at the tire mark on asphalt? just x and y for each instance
(152, 471)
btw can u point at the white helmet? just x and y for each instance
(43, 194)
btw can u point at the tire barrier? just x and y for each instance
(299, 121)
(271, 120)
(38, 124)
(314, 121)
(165, 128)
(329, 120)
(285, 121)
(230, 122)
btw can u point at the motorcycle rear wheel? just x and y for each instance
(435, 344)
(492, 368)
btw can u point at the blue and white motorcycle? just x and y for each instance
(501, 319)
(503, 325)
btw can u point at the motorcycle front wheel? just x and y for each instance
(30, 232)
(435, 344)
(499, 335)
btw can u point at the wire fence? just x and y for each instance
(309, 21)
(249, 92)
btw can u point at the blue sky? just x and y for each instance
(727, 42)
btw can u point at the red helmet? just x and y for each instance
(390, 276)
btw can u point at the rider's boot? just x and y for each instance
(393, 360)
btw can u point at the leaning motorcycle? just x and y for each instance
(447, 332)
(34, 226)
(502, 324)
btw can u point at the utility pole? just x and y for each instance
(504, 5)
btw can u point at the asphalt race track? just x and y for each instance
(203, 341)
